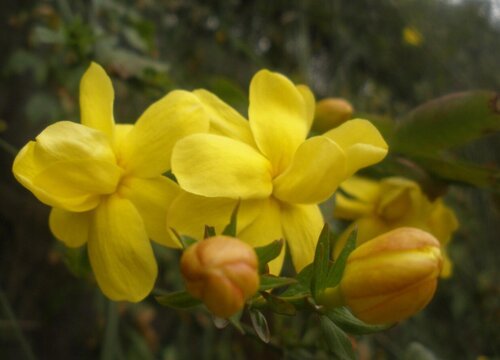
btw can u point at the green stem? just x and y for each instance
(8, 147)
(25, 346)
(111, 348)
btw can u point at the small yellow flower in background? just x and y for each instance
(104, 181)
(267, 162)
(392, 276)
(221, 271)
(380, 206)
(330, 113)
(412, 36)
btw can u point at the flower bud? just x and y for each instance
(392, 276)
(221, 271)
(330, 113)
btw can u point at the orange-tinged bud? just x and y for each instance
(330, 113)
(392, 276)
(221, 271)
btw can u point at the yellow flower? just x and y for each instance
(105, 184)
(267, 162)
(331, 112)
(380, 206)
(392, 276)
(221, 271)
(412, 36)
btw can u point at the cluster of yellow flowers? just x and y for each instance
(105, 182)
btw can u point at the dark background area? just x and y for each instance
(356, 50)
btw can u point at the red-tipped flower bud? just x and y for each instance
(392, 276)
(221, 271)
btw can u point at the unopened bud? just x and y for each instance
(330, 113)
(392, 276)
(221, 271)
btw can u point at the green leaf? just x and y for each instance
(447, 122)
(267, 253)
(278, 305)
(337, 341)
(259, 324)
(321, 263)
(209, 232)
(336, 271)
(268, 282)
(178, 300)
(235, 320)
(303, 285)
(230, 229)
(351, 324)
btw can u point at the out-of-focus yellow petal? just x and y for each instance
(217, 166)
(442, 222)
(189, 214)
(148, 146)
(120, 252)
(314, 173)
(68, 166)
(362, 189)
(278, 117)
(310, 102)
(96, 99)
(152, 198)
(70, 227)
(362, 143)
(302, 225)
(447, 269)
(266, 227)
(347, 208)
(224, 120)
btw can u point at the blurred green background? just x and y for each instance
(385, 56)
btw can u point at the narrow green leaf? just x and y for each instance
(321, 263)
(177, 300)
(186, 241)
(259, 324)
(336, 271)
(235, 320)
(268, 252)
(230, 229)
(278, 305)
(209, 232)
(337, 341)
(303, 285)
(351, 324)
(268, 282)
(448, 121)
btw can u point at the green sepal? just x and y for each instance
(186, 241)
(336, 340)
(268, 282)
(321, 263)
(336, 271)
(303, 285)
(178, 300)
(267, 253)
(342, 317)
(209, 232)
(230, 229)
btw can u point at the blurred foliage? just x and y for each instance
(385, 57)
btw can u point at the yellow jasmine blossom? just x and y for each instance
(104, 181)
(380, 206)
(267, 163)
(412, 36)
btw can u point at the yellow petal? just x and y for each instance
(362, 143)
(278, 117)
(68, 166)
(217, 166)
(120, 252)
(442, 222)
(224, 120)
(347, 208)
(148, 147)
(302, 225)
(152, 198)
(316, 170)
(310, 102)
(189, 214)
(265, 228)
(362, 189)
(70, 227)
(96, 99)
